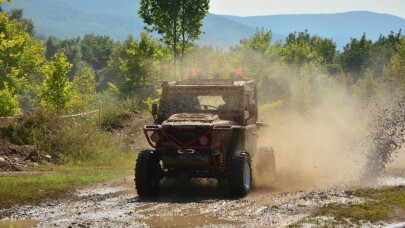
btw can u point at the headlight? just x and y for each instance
(204, 141)
(155, 137)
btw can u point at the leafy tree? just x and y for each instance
(9, 105)
(303, 48)
(18, 15)
(71, 48)
(354, 57)
(96, 50)
(21, 56)
(382, 51)
(82, 90)
(54, 92)
(178, 21)
(396, 68)
(298, 49)
(51, 47)
(325, 48)
(260, 42)
(137, 64)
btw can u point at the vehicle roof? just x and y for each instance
(238, 82)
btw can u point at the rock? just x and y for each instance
(48, 157)
(2, 159)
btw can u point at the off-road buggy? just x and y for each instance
(203, 129)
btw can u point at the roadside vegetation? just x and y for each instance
(383, 204)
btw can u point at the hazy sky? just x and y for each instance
(271, 7)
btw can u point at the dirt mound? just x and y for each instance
(130, 127)
(20, 157)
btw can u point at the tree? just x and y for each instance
(355, 55)
(96, 50)
(178, 21)
(382, 51)
(21, 56)
(54, 91)
(9, 105)
(303, 48)
(51, 47)
(18, 15)
(82, 90)
(138, 66)
(395, 71)
(259, 42)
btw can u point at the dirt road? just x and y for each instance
(114, 204)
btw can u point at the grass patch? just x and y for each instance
(385, 204)
(81, 153)
(20, 190)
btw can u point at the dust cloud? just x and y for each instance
(323, 134)
(336, 142)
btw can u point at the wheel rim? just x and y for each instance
(246, 175)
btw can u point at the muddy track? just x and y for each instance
(114, 204)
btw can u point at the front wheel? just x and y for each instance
(240, 175)
(147, 173)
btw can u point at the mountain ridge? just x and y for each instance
(69, 19)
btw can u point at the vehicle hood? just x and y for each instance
(196, 119)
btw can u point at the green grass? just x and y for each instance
(383, 204)
(19, 190)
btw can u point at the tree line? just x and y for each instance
(68, 75)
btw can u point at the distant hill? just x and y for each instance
(118, 19)
(340, 26)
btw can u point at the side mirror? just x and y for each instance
(154, 109)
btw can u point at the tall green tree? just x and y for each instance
(96, 50)
(382, 51)
(302, 48)
(395, 71)
(18, 15)
(138, 66)
(21, 57)
(354, 57)
(178, 21)
(82, 90)
(55, 88)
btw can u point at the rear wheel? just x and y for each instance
(240, 175)
(147, 173)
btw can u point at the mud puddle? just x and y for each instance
(115, 204)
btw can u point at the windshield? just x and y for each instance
(194, 103)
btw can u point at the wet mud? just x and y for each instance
(190, 204)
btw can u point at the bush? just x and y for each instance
(75, 141)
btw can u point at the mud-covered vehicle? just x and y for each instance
(203, 129)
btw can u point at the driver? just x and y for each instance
(231, 103)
